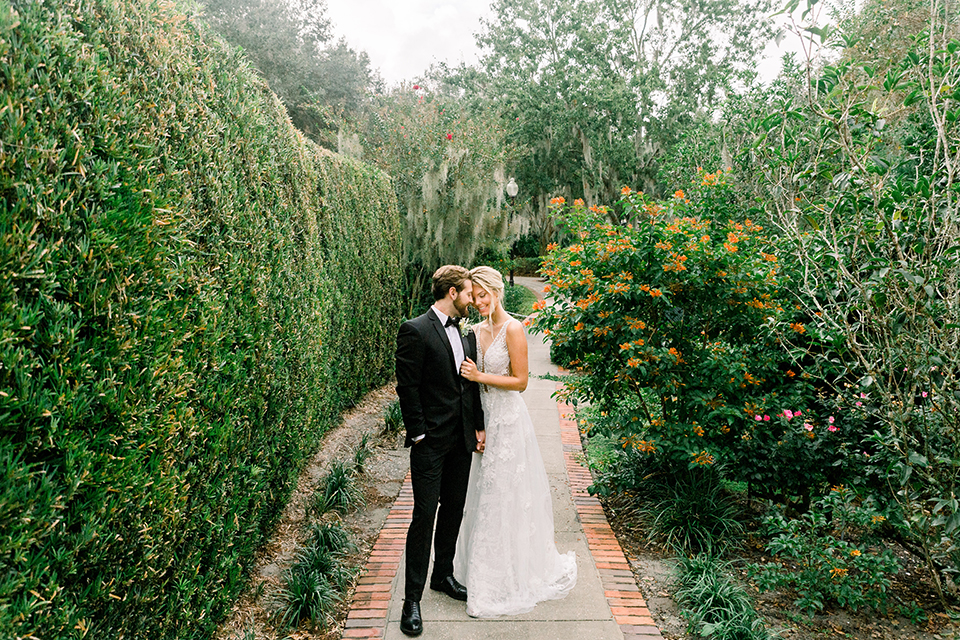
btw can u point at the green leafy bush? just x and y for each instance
(830, 554)
(190, 295)
(668, 322)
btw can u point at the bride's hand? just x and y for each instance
(469, 370)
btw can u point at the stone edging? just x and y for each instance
(627, 605)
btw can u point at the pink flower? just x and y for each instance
(788, 414)
(923, 394)
(758, 418)
(449, 136)
(863, 395)
(766, 418)
(798, 413)
(859, 404)
(808, 426)
(831, 428)
(830, 419)
(416, 87)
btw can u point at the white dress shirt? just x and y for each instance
(453, 335)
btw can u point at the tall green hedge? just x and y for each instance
(190, 294)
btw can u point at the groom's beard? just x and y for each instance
(461, 308)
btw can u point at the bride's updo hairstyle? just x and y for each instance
(488, 278)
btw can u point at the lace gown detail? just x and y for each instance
(506, 555)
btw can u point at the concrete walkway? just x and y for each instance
(604, 605)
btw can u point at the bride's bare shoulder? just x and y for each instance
(515, 328)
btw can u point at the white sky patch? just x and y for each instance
(404, 37)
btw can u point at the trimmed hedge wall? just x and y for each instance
(190, 294)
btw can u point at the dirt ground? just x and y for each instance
(381, 481)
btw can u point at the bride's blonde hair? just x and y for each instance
(488, 278)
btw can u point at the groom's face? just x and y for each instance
(464, 299)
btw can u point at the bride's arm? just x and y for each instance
(517, 348)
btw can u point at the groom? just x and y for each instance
(444, 422)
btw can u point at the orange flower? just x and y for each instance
(578, 326)
(798, 327)
(703, 459)
(678, 194)
(656, 293)
(538, 305)
(633, 362)
(625, 191)
(575, 263)
(624, 346)
(578, 202)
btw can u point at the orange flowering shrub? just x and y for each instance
(668, 329)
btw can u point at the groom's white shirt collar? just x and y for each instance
(440, 314)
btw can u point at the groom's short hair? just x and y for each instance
(449, 275)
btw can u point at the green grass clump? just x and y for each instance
(338, 491)
(362, 454)
(318, 581)
(714, 605)
(692, 515)
(393, 418)
(331, 536)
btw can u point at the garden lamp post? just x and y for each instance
(512, 190)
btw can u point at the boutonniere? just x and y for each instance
(464, 329)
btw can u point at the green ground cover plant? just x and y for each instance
(190, 295)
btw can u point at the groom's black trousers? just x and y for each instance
(439, 469)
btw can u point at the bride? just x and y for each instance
(506, 556)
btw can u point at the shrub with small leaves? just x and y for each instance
(832, 554)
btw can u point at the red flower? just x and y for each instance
(416, 87)
(449, 136)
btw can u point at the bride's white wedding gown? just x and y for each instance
(506, 555)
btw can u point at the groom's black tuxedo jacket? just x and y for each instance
(434, 399)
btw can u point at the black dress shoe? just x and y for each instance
(410, 621)
(451, 587)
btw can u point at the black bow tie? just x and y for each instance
(452, 322)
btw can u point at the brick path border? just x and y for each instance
(368, 609)
(628, 607)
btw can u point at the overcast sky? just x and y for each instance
(404, 37)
